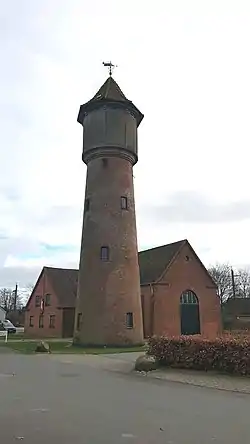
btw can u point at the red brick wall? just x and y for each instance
(183, 275)
(146, 310)
(109, 290)
(43, 287)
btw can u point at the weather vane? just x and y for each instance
(110, 66)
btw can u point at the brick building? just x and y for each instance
(51, 306)
(108, 304)
(178, 296)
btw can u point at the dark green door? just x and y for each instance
(189, 313)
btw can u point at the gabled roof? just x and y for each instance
(154, 261)
(109, 94)
(64, 283)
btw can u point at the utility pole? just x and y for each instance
(233, 283)
(15, 297)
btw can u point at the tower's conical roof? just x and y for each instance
(110, 90)
(109, 93)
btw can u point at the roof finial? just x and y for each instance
(110, 66)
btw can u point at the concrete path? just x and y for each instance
(124, 363)
(64, 399)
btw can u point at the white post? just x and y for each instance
(4, 333)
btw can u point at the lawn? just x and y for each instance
(66, 347)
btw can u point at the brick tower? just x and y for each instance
(108, 307)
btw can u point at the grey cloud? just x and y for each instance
(9, 193)
(61, 214)
(31, 24)
(192, 207)
(24, 276)
(59, 224)
(26, 248)
(32, 221)
(9, 276)
(31, 34)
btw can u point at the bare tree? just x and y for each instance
(221, 274)
(26, 292)
(7, 300)
(242, 283)
(29, 287)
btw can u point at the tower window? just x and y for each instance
(124, 203)
(129, 320)
(31, 321)
(104, 163)
(87, 204)
(104, 253)
(79, 321)
(37, 302)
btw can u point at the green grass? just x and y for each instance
(66, 347)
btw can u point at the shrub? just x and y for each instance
(230, 354)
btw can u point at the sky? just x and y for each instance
(184, 64)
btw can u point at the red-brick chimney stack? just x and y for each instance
(108, 307)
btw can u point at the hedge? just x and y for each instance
(225, 354)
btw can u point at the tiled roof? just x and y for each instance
(110, 90)
(153, 262)
(109, 93)
(64, 283)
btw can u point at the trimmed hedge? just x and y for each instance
(226, 354)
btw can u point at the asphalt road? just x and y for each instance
(45, 400)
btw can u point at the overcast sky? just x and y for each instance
(186, 66)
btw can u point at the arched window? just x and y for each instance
(189, 313)
(189, 297)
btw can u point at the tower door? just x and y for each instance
(189, 313)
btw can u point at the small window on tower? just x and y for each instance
(129, 320)
(87, 204)
(104, 163)
(79, 321)
(104, 253)
(124, 203)
(38, 303)
(31, 321)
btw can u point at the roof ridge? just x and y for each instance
(153, 262)
(59, 268)
(108, 88)
(165, 245)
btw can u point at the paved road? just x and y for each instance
(59, 400)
